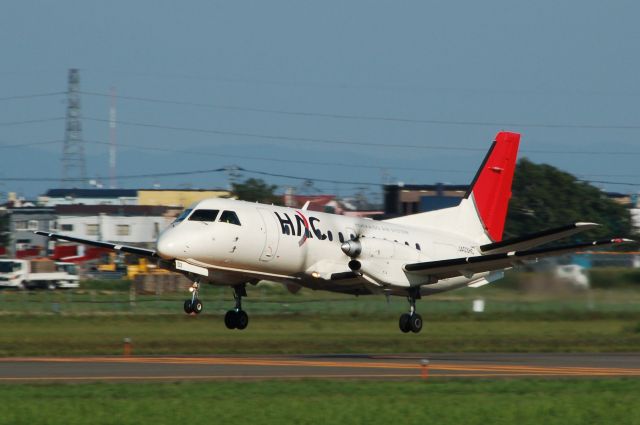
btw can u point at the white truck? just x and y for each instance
(31, 274)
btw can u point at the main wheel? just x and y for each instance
(231, 319)
(242, 320)
(197, 306)
(404, 323)
(188, 308)
(415, 323)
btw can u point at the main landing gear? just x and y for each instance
(237, 318)
(194, 305)
(411, 321)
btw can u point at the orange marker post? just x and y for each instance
(424, 368)
(127, 347)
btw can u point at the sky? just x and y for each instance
(325, 97)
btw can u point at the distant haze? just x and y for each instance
(288, 77)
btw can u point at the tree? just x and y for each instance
(256, 190)
(544, 197)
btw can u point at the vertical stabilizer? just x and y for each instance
(491, 188)
(482, 213)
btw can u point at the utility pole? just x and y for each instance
(74, 170)
(112, 140)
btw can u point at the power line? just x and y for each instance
(264, 173)
(250, 171)
(371, 117)
(31, 96)
(194, 172)
(23, 145)
(9, 123)
(346, 142)
(280, 137)
(386, 86)
(280, 160)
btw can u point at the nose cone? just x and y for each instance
(167, 247)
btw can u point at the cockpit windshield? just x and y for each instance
(184, 215)
(204, 215)
(229, 217)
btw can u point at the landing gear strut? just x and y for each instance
(411, 321)
(194, 305)
(237, 318)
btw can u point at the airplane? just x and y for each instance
(235, 243)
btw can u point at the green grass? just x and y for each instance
(313, 333)
(95, 320)
(566, 402)
(114, 297)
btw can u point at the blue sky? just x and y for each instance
(441, 75)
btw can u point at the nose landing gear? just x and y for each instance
(194, 305)
(411, 321)
(237, 318)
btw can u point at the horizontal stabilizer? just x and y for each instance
(466, 266)
(536, 239)
(100, 244)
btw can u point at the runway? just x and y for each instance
(347, 366)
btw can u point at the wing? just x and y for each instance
(443, 269)
(116, 247)
(535, 239)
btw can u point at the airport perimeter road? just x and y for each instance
(348, 366)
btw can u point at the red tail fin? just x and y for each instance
(491, 188)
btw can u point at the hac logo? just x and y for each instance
(302, 227)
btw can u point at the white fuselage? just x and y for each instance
(304, 247)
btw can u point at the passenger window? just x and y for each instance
(340, 237)
(182, 216)
(406, 243)
(330, 235)
(204, 215)
(229, 217)
(418, 246)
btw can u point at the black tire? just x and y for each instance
(231, 319)
(188, 307)
(242, 320)
(404, 323)
(197, 306)
(416, 323)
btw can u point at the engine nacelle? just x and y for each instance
(372, 248)
(380, 261)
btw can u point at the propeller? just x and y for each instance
(353, 248)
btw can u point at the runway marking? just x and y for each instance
(437, 368)
(254, 377)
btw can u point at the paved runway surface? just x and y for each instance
(409, 366)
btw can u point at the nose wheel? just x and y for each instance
(412, 321)
(237, 318)
(193, 305)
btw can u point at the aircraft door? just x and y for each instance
(272, 235)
